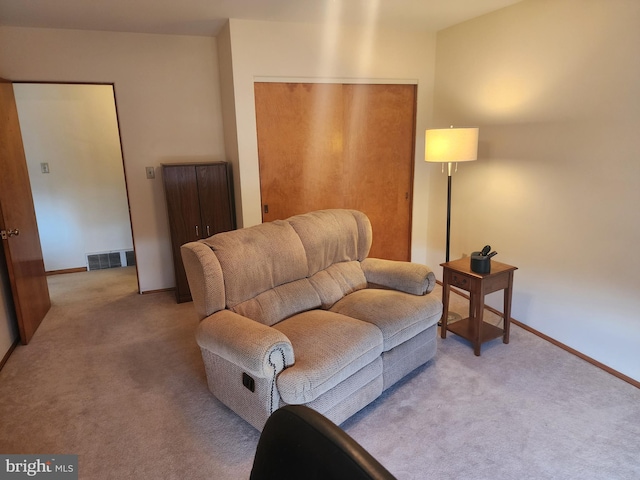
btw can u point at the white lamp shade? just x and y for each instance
(451, 145)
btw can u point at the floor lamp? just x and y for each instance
(451, 145)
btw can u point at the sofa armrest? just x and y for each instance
(254, 347)
(205, 278)
(407, 277)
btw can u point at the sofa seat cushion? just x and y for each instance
(400, 316)
(328, 349)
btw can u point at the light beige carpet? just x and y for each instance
(116, 377)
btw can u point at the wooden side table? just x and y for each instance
(458, 273)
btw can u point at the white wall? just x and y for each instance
(297, 52)
(555, 88)
(168, 102)
(81, 204)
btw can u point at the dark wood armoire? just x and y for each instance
(199, 204)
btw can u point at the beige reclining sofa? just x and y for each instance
(293, 312)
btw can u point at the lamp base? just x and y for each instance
(451, 318)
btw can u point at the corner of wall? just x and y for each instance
(227, 94)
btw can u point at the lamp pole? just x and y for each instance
(448, 211)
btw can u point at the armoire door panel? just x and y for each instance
(181, 189)
(183, 208)
(215, 199)
(339, 146)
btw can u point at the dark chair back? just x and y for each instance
(299, 443)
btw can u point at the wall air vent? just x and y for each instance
(100, 261)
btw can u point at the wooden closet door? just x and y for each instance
(339, 146)
(300, 147)
(378, 161)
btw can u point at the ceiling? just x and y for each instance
(206, 17)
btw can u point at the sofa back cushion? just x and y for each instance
(338, 280)
(280, 302)
(274, 270)
(333, 236)
(257, 259)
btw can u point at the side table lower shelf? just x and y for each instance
(466, 329)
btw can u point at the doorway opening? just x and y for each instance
(72, 145)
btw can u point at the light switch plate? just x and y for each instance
(151, 173)
(44, 167)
